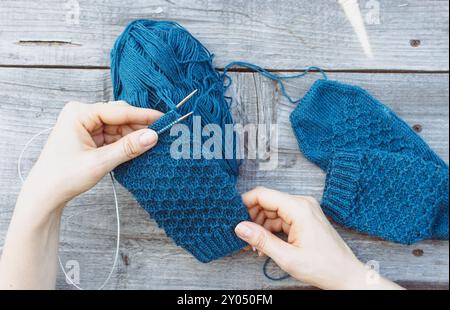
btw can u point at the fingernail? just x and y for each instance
(148, 138)
(244, 231)
(254, 249)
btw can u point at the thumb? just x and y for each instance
(127, 148)
(264, 241)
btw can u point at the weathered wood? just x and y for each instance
(288, 34)
(31, 99)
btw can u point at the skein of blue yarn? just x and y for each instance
(155, 64)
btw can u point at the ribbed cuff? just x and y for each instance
(222, 242)
(341, 186)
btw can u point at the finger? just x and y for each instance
(271, 214)
(285, 205)
(285, 227)
(127, 148)
(116, 129)
(260, 218)
(122, 130)
(113, 114)
(99, 140)
(120, 102)
(276, 226)
(253, 212)
(111, 138)
(138, 126)
(264, 241)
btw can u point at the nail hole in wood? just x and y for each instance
(418, 252)
(415, 43)
(418, 128)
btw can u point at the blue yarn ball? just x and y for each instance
(155, 64)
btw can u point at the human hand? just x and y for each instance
(314, 252)
(87, 142)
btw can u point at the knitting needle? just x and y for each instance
(182, 117)
(186, 99)
(174, 123)
(181, 104)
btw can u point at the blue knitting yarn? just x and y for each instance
(155, 64)
(273, 77)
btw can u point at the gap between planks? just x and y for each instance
(243, 70)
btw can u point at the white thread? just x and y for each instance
(116, 255)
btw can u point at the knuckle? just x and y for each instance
(309, 204)
(260, 189)
(129, 148)
(98, 104)
(122, 102)
(70, 110)
(73, 106)
(69, 107)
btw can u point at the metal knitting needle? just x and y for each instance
(181, 104)
(174, 123)
(182, 117)
(186, 99)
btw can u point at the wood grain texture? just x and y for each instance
(31, 99)
(287, 34)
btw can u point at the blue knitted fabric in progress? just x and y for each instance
(382, 178)
(155, 65)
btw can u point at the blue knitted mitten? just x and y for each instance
(382, 178)
(155, 65)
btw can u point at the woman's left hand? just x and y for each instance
(87, 142)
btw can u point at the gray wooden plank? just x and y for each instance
(288, 34)
(31, 99)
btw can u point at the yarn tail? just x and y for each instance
(279, 79)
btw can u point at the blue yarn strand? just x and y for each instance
(268, 276)
(269, 75)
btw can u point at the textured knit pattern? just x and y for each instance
(382, 178)
(155, 65)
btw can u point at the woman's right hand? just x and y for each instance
(314, 252)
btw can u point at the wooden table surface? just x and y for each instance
(53, 51)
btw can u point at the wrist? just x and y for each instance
(362, 277)
(357, 276)
(36, 203)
